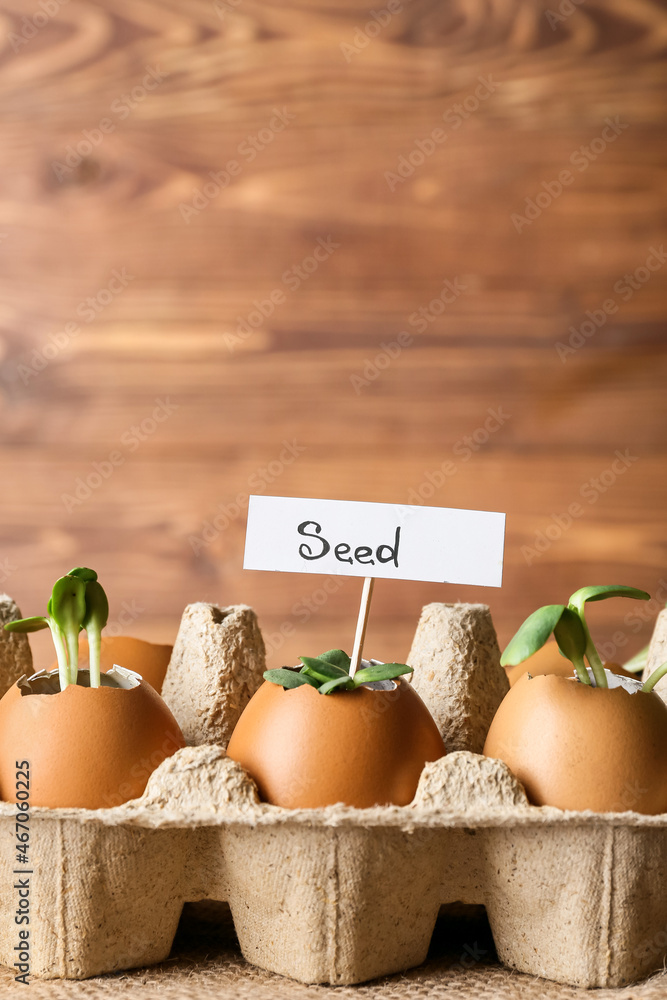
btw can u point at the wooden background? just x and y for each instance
(169, 335)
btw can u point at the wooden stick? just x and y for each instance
(362, 622)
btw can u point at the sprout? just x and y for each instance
(572, 642)
(331, 672)
(570, 629)
(77, 602)
(94, 620)
(657, 674)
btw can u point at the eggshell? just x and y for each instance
(579, 747)
(548, 660)
(87, 747)
(150, 659)
(363, 748)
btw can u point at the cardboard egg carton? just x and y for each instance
(337, 895)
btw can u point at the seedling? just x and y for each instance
(570, 629)
(331, 672)
(77, 602)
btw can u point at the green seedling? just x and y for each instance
(568, 624)
(77, 602)
(94, 620)
(331, 672)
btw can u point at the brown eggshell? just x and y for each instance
(364, 747)
(578, 747)
(87, 748)
(150, 659)
(548, 660)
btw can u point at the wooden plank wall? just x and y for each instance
(167, 165)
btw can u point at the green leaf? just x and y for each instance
(83, 573)
(570, 635)
(68, 610)
(338, 682)
(288, 678)
(27, 624)
(381, 672)
(532, 635)
(338, 657)
(68, 602)
(97, 606)
(321, 669)
(572, 639)
(580, 597)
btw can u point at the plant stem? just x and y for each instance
(582, 673)
(63, 667)
(596, 664)
(657, 674)
(94, 646)
(72, 639)
(591, 651)
(578, 604)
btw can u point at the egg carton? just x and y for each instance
(336, 895)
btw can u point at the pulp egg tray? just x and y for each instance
(337, 895)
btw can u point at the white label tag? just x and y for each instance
(383, 540)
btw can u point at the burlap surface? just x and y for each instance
(206, 963)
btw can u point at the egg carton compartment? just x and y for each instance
(338, 895)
